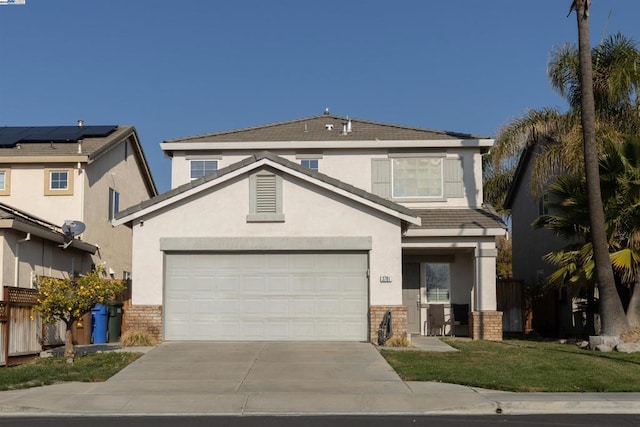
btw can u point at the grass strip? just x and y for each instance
(519, 365)
(95, 367)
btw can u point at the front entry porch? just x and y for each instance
(439, 291)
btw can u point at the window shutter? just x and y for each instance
(453, 178)
(266, 195)
(381, 177)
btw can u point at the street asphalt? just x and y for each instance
(287, 378)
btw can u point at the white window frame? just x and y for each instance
(313, 164)
(5, 189)
(416, 193)
(439, 294)
(114, 203)
(203, 169)
(49, 190)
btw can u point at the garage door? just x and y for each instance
(266, 296)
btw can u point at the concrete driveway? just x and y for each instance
(237, 367)
(232, 377)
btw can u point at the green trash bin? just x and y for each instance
(115, 321)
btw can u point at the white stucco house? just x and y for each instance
(313, 229)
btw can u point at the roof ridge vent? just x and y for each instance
(326, 111)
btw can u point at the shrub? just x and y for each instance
(137, 338)
(398, 341)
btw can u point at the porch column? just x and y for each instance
(486, 278)
(485, 322)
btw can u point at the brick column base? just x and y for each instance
(486, 325)
(146, 318)
(398, 320)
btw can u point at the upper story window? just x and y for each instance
(58, 182)
(310, 163)
(437, 282)
(200, 168)
(417, 177)
(114, 203)
(5, 182)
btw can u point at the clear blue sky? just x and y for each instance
(180, 68)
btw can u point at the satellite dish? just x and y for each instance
(72, 228)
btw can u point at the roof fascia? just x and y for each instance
(146, 172)
(44, 159)
(523, 163)
(457, 232)
(271, 145)
(47, 235)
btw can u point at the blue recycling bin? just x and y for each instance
(99, 318)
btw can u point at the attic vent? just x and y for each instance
(328, 127)
(266, 194)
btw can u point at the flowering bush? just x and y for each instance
(68, 300)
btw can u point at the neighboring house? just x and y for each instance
(313, 229)
(556, 314)
(79, 173)
(31, 247)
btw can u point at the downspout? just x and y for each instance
(17, 262)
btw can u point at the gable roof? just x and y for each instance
(20, 220)
(523, 164)
(314, 128)
(251, 163)
(21, 144)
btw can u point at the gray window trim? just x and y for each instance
(308, 156)
(203, 157)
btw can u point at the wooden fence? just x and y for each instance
(511, 299)
(21, 325)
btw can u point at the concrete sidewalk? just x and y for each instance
(286, 378)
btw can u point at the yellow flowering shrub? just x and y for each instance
(68, 300)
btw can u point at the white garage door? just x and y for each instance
(266, 296)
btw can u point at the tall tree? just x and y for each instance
(612, 315)
(569, 218)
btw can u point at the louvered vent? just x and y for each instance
(266, 194)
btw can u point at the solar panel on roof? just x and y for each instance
(12, 135)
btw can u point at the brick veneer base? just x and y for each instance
(486, 325)
(398, 320)
(146, 318)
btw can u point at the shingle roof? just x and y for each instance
(9, 212)
(32, 140)
(315, 129)
(92, 145)
(253, 159)
(458, 218)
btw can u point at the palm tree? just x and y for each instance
(603, 108)
(612, 316)
(616, 75)
(568, 202)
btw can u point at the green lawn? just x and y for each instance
(90, 368)
(517, 365)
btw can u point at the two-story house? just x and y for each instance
(75, 173)
(312, 229)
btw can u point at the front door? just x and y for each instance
(411, 295)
